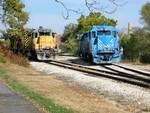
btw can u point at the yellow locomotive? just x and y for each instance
(38, 43)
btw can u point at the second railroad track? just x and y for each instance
(138, 78)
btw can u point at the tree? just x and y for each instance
(92, 6)
(70, 39)
(145, 14)
(137, 46)
(122, 32)
(69, 33)
(86, 22)
(14, 18)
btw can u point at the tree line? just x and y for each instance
(136, 45)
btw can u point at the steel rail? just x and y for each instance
(119, 73)
(133, 70)
(136, 80)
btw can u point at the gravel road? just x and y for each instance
(122, 93)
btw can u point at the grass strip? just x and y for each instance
(45, 103)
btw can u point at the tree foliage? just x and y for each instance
(70, 39)
(14, 18)
(86, 22)
(69, 32)
(137, 46)
(145, 14)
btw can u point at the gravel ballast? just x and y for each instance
(121, 92)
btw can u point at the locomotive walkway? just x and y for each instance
(10, 102)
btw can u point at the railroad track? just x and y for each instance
(133, 70)
(138, 78)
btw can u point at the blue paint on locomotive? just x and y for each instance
(100, 44)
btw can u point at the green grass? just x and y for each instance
(45, 103)
(2, 72)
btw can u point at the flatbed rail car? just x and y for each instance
(100, 45)
(37, 43)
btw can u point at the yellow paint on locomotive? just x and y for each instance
(38, 43)
(47, 41)
(26, 40)
(42, 42)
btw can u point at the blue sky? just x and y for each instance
(48, 13)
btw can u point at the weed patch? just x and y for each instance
(7, 56)
(2, 72)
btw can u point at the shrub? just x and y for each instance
(7, 56)
(145, 58)
(7, 42)
(72, 48)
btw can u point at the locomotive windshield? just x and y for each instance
(107, 33)
(53, 34)
(44, 33)
(101, 33)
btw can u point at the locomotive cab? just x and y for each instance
(41, 44)
(100, 44)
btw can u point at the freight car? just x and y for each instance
(37, 43)
(100, 44)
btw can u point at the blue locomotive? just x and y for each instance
(100, 44)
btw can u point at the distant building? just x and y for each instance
(130, 28)
(58, 40)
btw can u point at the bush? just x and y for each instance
(136, 46)
(145, 58)
(7, 42)
(72, 48)
(7, 56)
